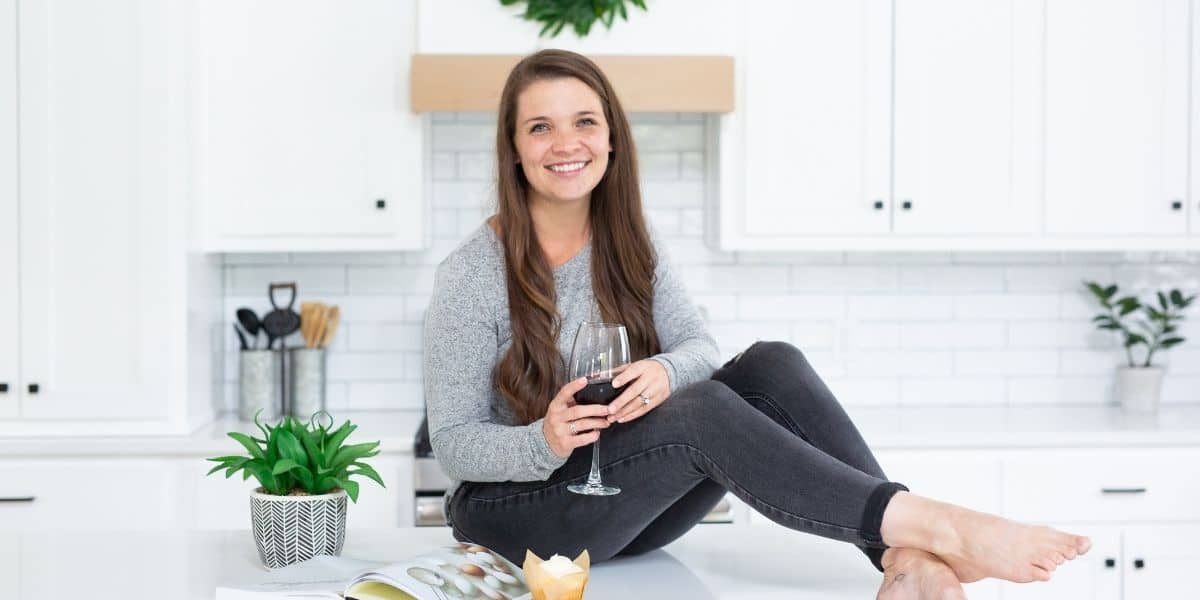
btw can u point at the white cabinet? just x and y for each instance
(1116, 117)
(306, 141)
(967, 102)
(1161, 561)
(109, 304)
(670, 27)
(815, 103)
(87, 493)
(8, 210)
(856, 126)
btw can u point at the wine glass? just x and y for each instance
(601, 351)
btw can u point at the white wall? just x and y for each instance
(882, 328)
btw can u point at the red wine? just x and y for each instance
(598, 391)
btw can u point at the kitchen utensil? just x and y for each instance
(282, 321)
(312, 315)
(259, 373)
(333, 317)
(241, 336)
(307, 378)
(250, 323)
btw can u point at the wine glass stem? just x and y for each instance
(594, 476)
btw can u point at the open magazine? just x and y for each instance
(456, 571)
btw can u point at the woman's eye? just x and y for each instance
(588, 121)
(535, 127)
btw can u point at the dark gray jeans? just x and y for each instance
(765, 427)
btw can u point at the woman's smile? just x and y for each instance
(568, 170)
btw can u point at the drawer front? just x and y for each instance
(1102, 485)
(55, 494)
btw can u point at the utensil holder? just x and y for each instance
(259, 384)
(307, 382)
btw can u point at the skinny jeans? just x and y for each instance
(764, 427)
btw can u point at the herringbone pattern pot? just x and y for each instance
(291, 529)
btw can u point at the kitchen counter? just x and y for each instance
(709, 562)
(883, 427)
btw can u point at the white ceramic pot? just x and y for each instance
(1138, 388)
(291, 529)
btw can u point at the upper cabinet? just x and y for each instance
(102, 279)
(9, 303)
(967, 100)
(668, 27)
(305, 137)
(1117, 117)
(960, 125)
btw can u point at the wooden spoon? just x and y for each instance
(333, 317)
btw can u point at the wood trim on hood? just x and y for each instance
(472, 83)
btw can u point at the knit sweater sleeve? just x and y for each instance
(689, 353)
(460, 347)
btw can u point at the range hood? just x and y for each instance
(472, 83)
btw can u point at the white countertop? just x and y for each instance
(883, 427)
(711, 561)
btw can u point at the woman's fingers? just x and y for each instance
(628, 380)
(586, 425)
(636, 409)
(583, 411)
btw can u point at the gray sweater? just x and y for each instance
(473, 431)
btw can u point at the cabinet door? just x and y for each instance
(97, 190)
(816, 105)
(8, 209)
(1161, 561)
(967, 116)
(70, 494)
(1116, 116)
(306, 140)
(1093, 576)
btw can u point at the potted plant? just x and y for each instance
(304, 472)
(1138, 385)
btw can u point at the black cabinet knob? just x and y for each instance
(381, 203)
(1110, 563)
(1138, 563)
(1177, 205)
(33, 388)
(906, 205)
(878, 205)
(3, 388)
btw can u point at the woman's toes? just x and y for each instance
(1059, 558)
(1083, 543)
(1040, 574)
(1045, 563)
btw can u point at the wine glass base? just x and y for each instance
(594, 489)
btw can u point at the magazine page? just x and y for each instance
(456, 571)
(318, 577)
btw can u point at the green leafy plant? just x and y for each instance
(1156, 328)
(296, 458)
(580, 14)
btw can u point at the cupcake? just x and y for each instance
(558, 578)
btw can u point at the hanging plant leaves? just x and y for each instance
(554, 15)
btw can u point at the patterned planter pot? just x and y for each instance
(291, 529)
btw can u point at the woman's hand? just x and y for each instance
(646, 386)
(569, 425)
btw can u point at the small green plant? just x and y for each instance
(293, 457)
(581, 14)
(1155, 329)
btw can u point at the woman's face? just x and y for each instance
(561, 139)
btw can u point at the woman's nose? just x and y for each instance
(565, 142)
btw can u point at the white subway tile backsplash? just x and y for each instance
(1005, 362)
(1006, 306)
(973, 391)
(881, 328)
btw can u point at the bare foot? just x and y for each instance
(977, 544)
(911, 574)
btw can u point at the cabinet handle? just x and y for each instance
(906, 205)
(1133, 490)
(879, 205)
(1176, 204)
(1138, 563)
(15, 499)
(381, 203)
(1110, 563)
(3, 388)
(33, 388)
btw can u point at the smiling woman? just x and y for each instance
(569, 244)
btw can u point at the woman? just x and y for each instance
(568, 243)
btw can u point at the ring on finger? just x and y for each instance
(645, 399)
(571, 426)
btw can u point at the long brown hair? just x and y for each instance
(623, 259)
